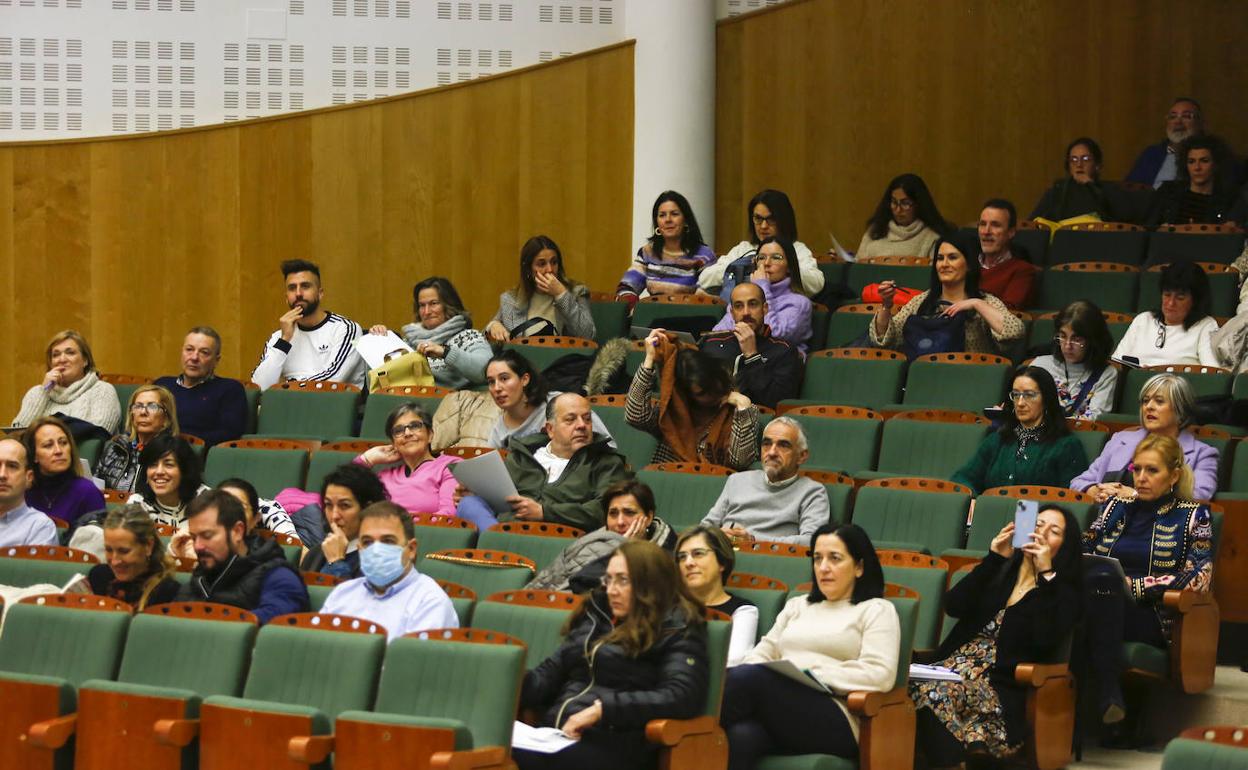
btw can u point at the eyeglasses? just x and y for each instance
(149, 408)
(770, 257)
(1186, 115)
(904, 203)
(620, 581)
(694, 553)
(1024, 395)
(1078, 343)
(1161, 335)
(1080, 159)
(771, 220)
(411, 427)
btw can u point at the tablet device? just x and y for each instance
(1113, 564)
(641, 332)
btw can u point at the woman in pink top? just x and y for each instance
(418, 481)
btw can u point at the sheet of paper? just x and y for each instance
(789, 669)
(839, 249)
(921, 671)
(545, 740)
(376, 348)
(486, 477)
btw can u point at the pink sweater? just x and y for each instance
(428, 489)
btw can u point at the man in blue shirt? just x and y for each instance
(391, 593)
(235, 568)
(210, 407)
(19, 523)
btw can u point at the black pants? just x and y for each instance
(1113, 617)
(596, 749)
(766, 713)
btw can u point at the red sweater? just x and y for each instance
(1010, 282)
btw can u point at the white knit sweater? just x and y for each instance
(89, 399)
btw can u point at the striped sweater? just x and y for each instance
(323, 352)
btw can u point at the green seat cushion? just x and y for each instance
(321, 723)
(189, 697)
(1146, 657)
(807, 762)
(463, 736)
(68, 695)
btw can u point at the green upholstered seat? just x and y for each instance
(908, 519)
(540, 628)
(484, 579)
(682, 499)
(269, 470)
(299, 413)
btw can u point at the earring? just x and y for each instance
(658, 231)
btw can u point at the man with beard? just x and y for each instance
(776, 503)
(312, 343)
(1157, 162)
(765, 370)
(234, 568)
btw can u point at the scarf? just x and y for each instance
(65, 395)
(897, 232)
(441, 334)
(676, 419)
(1026, 436)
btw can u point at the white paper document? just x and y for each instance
(800, 675)
(486, 477)
(376, 348)
(940, 673)
(545, 740)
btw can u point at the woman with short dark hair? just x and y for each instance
(705, 559)
(1079, 361)
(170, 476)
(843, 634)
(635, 650)
(1203, 189)
(1179, 329)
(906, 221)
(769, 214)
(442, 332)
(1033, 446)
(545, 301)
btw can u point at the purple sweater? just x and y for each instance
(788, 314)
(65, 497)
(1202, 458)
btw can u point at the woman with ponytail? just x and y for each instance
(137, 569)
(1164, 541)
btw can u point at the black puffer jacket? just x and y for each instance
(669, 680)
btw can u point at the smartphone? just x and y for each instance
(994, 412)
(1025, 514)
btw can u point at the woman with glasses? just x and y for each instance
(413, 478)
(633, 651)
(1079, 361)
(775, 270)
(1033, 446)
(1180, 328)
(705, 558)
(1080, 192)
(768, 215)
(151, 411)
(906, 222)
(1166, 404)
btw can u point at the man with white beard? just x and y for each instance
(1156, 163)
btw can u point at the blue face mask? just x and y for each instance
(382, 563)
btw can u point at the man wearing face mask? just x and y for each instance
(235, 568)
(391, 593)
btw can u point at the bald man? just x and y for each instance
(765, 369)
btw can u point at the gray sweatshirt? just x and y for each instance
(787, 512)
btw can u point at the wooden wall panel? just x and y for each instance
(132, 240)
(829, 99)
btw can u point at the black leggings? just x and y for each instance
(767, 713)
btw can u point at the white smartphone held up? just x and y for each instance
(1025, 522)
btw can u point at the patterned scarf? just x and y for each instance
(1026, 436)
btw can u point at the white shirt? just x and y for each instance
(323, 352)
(553, 464)
(1182, 346)
(415, 603)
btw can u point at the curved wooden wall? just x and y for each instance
(132, 240)
(829, 99)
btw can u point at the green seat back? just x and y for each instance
(718, 635)
(253, 407)
(610, 320)
(378, 406)
(1223, 248)
(1239, 469)
(978, 385)
(908, 447)
(430, 539)
(910, 519)
(542, 549)
(477, 684)
(70, 644)
(1185, 753)
(838, 502)
(89, 450)
(321, 464)
(1239, 388)
(682, 499)
(346, 666)
(853, 381)
(159, 648)
(930, 583)
(1126, 247)
(1114, 291)
(836, 444)
(636, 445)
(16, 571)
(317, 596)
(540, 628)
(789, 570)
(845, 327)
(768, 601)
(1093, 442)
(819, 328)
(485, 580)
(1212, 384)
(863, 274)
(542, 357)
(269, 470)
(908, 616)
(296, 413)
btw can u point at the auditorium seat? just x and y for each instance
(866, 377)
(913, 514)
(610, 317)
(1110, 285)
(271, 465)
(439, 533)
(914, 272)
(840, 438)
(1195, 243)
(1117, 242)
(534, 617)
(848, 323)
(463, 599)
(930, 443)
(683, 492)
(980, 377)
(926, 575)
(485, 572)
(539, 540)
(767, 594)
(379, 405)
(544, 351)
(316, 409)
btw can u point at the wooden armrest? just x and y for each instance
(868, 704)
(471, 759)
(176, 732)
(1036, 674)
(1183, 602)
(310, 749)
(52, 733)
(669, 732)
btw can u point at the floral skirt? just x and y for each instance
(971, 709)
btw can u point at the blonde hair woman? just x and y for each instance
(137, 569)
(151, 411)
(71, 387)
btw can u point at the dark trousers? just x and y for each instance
(597, 749)
(1112, 617)
(766, 713)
